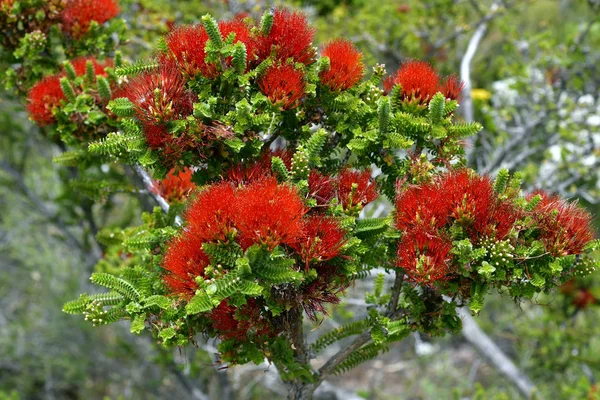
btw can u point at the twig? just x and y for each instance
(149, 184)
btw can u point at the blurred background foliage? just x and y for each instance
(535, 86)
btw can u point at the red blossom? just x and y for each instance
(424, 257)
(212, 213)
(43, 97)
(159, 96)
(320, 292)
(242, 34)
(186, 44)
(457, 196)
(355, 188)
(321, 187)
(422, 205)
(420, 82)
(175, 187)
(452, 87)
(284, 85)
(79, 14)
(345, 65)
(239, 323)
(290, 37)
(269, 214)
(79, 65)
(250, 171)
(184, 261)
(564, 228)
(322, 240)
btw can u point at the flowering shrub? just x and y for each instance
(283, 143)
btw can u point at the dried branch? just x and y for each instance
(486, 346)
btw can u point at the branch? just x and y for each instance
(149, 184)
(484, 344)
(329, 367)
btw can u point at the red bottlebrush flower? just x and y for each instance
(175, 187)
(269, 214)
(424, 257)
(79, 64)
(423, 206)
(564, 228)
(324, 290)
(156, 135)
(244, 173)
(186, 44)
(79, 14)
(290, 37)
(284, 85)
(356, 189)
(43, 97)
(321, 187)
(322, 240)
(159, 96)
(345, 65)
(239, 323)
(184, 261)
(419, 81)
(456, 196)
(212, 213)
(242, 34)
(452, 87)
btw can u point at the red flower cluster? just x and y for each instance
(159, 96)
(284, 85)
(420, 82)
(457, 196)
(47, 94)
(424, 256)
(79, 14)
(261, 212)
(187, 44)
(269, 214)
(184, 260)
(425, 213)
(237, 322)
(345, 65)
(79, 65)
(241, 174)
(353, 189)
(564, 228)
(176, 187)
(290, 37)
(322, 240)
(43, 97)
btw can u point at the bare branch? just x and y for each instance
(482, 342)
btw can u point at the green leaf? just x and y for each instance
(201, 302)
(138, 324)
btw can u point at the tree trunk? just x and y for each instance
(300, 391)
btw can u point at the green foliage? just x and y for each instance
(117, 284)
(136, 68)
(103, 88)
(122, 107)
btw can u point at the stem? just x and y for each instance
(149, 184)
(392, 312)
